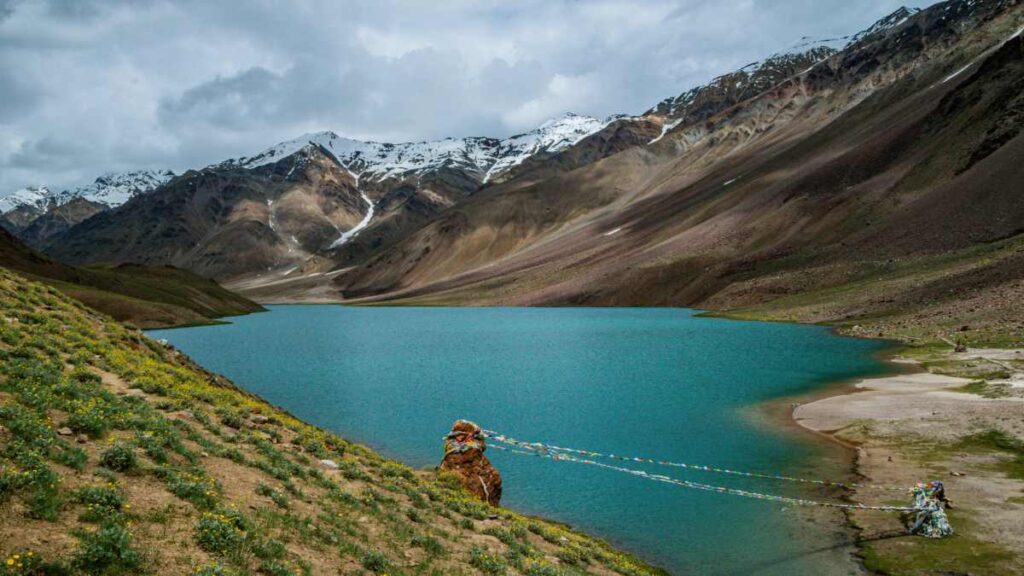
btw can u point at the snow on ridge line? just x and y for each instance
(552, 136)
(488, 156)
(35, 196)
(111, 189)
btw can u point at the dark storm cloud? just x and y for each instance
(90, 85)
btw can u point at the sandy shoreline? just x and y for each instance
(896, 427)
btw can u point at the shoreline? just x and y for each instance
(778, 414)
(881, 422)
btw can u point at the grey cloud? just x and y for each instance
(48, 152)
(226, 102)
(16, 93)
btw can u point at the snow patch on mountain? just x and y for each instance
(665, 128)
(376, 161)
(346, 236)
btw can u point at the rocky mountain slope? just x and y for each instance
(145, 296)
(324, 195)
(121, 456)
(227, 220)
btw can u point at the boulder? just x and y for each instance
(464, 456)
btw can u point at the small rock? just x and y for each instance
(965, 328)
(65, 431)
(183, 415)
(259, 419)
(329, 464)
(135, 393)
(205, 454)
(955, 473)
(81, 438)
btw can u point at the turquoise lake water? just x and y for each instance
(658, 382)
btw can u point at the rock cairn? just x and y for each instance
(464, 456)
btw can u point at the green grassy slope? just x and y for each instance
(144, 295)
(164, 468)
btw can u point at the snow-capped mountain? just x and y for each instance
(111, 189)
(34, 197)
(116, 188)
(376, 161)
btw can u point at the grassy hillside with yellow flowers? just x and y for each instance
(118, 455)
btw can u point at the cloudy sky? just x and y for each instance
(94, 86)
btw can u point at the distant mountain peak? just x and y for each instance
(111, 189)
(36, 197)
(882, 25)
(484, 156)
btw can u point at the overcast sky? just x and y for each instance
(93, 86)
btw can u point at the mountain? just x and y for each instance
(287, 209)
(895, 160)
(145, 296)
(22, 208)
(58, 219)
(227, 220)
(485, 157)
(890, 152)
(725, 91)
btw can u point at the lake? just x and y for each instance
(638, 381)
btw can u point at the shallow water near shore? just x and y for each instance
(645, 382)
